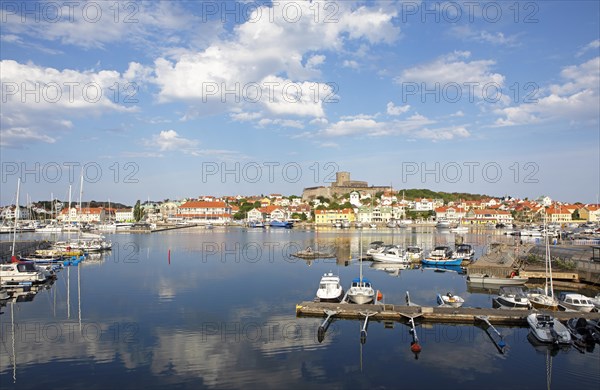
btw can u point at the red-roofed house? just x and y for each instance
(590, 213)
(558, 214)
(450, 213)
(488, 216)
(213, 211)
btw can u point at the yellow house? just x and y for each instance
(590, 213)
(327, 217)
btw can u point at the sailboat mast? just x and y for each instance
(17, 212)
(360, 254)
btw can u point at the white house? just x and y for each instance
(124, 215)
(355, 199)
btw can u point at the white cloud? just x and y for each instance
(350, 64)
(242, 116)
(467, 33)
(576, 100)
(594, 45)
(169, 140)
(396, 110)
(281, 122)
(266, 50)
(20, 136)
(443, 134)
(458, 113)
(38, 99)
(453, 73)
(101, 25)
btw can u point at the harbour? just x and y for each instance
(150, 300)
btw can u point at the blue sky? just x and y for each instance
(179, 99)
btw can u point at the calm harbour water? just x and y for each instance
(219, 312)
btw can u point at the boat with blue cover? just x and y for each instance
(282, 224)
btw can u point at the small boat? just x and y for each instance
(373, 225)
(309, 253)
(361, 291)
(574, 301)
(485, 279)
(376, 247)
(450, 299)
(393, 254)
(512, 297)
(541, 300)
(358, 225)
(443, 224)
(464, 251)
(345, 224)
(415, 253)
(20, 272)
(330, 288)
(391, 224)
(281, 224)
(445, 268)
(442, 255)
(256, 224)
(585, 333)
(548, 329)
(596, 301)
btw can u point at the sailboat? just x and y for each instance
(545, 299)
(360, 291)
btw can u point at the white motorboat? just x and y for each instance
(330, 288)
(464, 251)
(596, 301)
(548, 329)
(345, 224)
(376, 247)
(574, 301)
(393, 254)
(373, 225)
(450, 299)
(415, 253)
(391, 224)
(20, 272)
(512, 297)
(443, 224)
(358, 225)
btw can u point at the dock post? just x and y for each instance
(325, 325)
(363, 331)
(500, 344)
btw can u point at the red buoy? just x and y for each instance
(379, 296)
(415, 347)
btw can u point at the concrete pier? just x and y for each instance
(447, 315)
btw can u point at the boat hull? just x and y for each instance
(442, 262)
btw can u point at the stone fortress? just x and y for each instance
(342, 185)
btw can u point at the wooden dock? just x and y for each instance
(443, 315)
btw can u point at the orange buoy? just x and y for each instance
(379, 296)
(415, 347)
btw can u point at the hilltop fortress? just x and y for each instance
(342, 185)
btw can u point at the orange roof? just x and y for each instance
(202, 204)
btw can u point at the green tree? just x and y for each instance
(138, 213)
(575, 215)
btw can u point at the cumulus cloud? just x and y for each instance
(454, 71)
(575, 100)
(396, 110)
